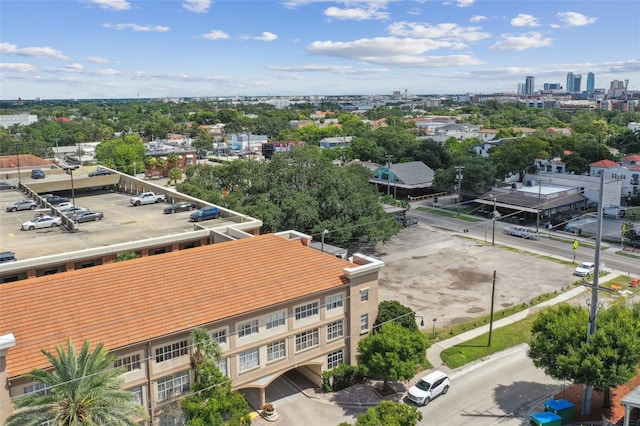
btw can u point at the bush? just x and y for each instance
(341, 377)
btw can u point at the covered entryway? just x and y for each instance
(631, 401)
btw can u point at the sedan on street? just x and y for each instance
(22, 205)
(181, 206)
(41, 222)
(7, 185)
(87, 216)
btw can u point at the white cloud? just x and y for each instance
(477, 18)
(266, 36)
(215, 35)
(98, 60)
(465, 3)
(108, 71)
(575, 19)
(75, 67)
(445, 31)
(47, 52)
(520, 42)
(355, 14)
(336, 69)
(116, 5)
(291, 76)
(392, 51)
(197, 6)
(524, 20)
(17, 67)
(414, 11)
(138, 28)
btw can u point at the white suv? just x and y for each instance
(429, 387)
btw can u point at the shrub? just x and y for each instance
(343, 376)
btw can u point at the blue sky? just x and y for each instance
(129, 48)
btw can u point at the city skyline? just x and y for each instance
(199, 48)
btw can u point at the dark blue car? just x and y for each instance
(37, 174)
(205, 213)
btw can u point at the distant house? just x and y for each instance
(624, 175)
(524, 131)
(560, 130)
(404, 180)
(483, 149)
(487, 134)
(336, 142)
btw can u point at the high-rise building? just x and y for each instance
(569, 82)
(521, 89)
(552, 86)
(529, 85)
(591, 83)
(573, 82)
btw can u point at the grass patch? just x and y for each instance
(477, 348)
(628, 254)
(621, 282)
(446, 213)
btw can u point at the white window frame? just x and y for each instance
(220, 335)
(248, 328)
(171, 351)
(275, 320)
(173, 385)
(334, 302)
(137, 391)
(364, 295)
(37, 388)
(335, 329)
(249, 359)
(276, 350)
(307, 310)
(129, 363)
(364, 323)
(334, 359)
(307, 339)
(223, 366)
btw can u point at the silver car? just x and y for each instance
(42, 222)
(22, 205)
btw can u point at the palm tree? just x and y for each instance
(205, 349)
(175, 175)
(85, 389)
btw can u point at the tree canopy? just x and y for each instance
(121, 153)
(388, 413)
(84, 389)
(392, 310)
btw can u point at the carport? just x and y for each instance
(631, 401)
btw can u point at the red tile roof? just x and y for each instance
(604, 163)
(133, 301)
(629, 158)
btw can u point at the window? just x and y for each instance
(220, 336)
(247, 328)
(334, 359)
(364, 322)
(307, 310)
(275, 320)
(334, 330)
(222, 366)
(249, 359)
(129, 363)
(306, 339)
(334, 302)
(38, 389)
(364, 295)
(137, 392)
(173, 385)
(276, 350)
(171, 351)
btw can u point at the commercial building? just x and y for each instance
(9, 120)
(270, 301)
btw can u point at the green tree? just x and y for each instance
(610, 358)
(85, 390)
(121, 153)
(175, 174)
(392, 354)
(478, 177)
(204, 348)
(516, 156)
(392, 310)
(388, 413)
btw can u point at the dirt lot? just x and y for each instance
(445, 276)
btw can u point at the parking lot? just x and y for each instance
(121, 223)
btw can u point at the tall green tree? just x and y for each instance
(121, 153)
(392, 310)
(516, 156)
(388, 413)
(85, 389)
(392, 354)
(610, 358)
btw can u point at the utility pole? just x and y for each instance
(493, 221)
(388, 158)
(493, 294)
(459, 170)
(593, 304)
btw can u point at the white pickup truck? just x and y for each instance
(148, 198)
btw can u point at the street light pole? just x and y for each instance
(493, 221)
(459, 170)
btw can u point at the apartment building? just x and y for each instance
(272, 302)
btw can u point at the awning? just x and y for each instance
(508, 206)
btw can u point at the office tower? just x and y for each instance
(591, 83)
(521, 89)
(577, 80)
(552, 86)
(529, 85)
(569, 82)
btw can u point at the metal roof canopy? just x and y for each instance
(508, 206)
(630, 401)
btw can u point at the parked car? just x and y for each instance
(7, 185)
(37, 174)
(181, 206)
(429, 387)
(585, 269)
(71, 210)
(100, 172)
(22, 205)
(7, 256)
(519, 231)
(205, 213)
(55, 200)
(87, 216)
(41, 222)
